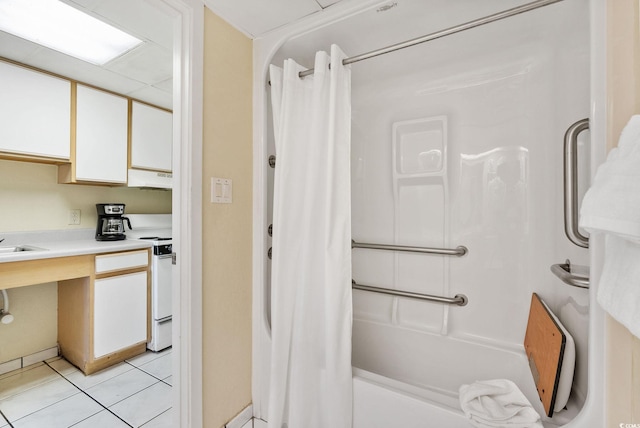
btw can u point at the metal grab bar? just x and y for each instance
(571, 183)
(459, 299)
(563, 271)
(458, 251)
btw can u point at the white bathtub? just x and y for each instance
(380, 402)
(390, 392)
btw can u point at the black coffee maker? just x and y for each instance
(111, 222)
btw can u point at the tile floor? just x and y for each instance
(55, 394)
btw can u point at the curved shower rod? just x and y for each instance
(443, 33)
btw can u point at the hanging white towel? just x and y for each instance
(612, 206)
(497, 403)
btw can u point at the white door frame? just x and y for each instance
(188, 43)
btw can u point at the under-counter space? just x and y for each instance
(96, 280)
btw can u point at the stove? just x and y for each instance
(156, 228)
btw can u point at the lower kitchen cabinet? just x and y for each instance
(103, 319)
(120, 316)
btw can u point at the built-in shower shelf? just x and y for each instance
(564, 272)
(419, 147)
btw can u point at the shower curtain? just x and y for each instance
(311, 315)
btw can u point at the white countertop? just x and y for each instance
(62, 243)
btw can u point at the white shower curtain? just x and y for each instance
(311, 315)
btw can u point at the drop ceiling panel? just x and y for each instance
(15, 48)
(148, 64)
(141, 20)
(165, 85)
(154, 96)
(83, 4)
(73, 68)
(326, 3)
(256, 17)
(87, 4)
(131, 74)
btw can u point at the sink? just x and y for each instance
(18, 248)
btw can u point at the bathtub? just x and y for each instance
(410, 358)
(390, 392)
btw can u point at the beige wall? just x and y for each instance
(227, 228)
(35, 326)
(623, 71)
(31, 199)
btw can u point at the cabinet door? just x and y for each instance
(119, 313)
(101, 136)
(151, 137)
(35, 113)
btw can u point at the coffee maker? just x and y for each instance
(111, 222)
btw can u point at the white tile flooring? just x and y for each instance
(55, 394)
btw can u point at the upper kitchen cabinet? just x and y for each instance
(150, 146)
(99, 139)
(151, 137)
(35, 115)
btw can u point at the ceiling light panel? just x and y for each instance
(59, 26)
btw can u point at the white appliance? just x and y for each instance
(156, 228)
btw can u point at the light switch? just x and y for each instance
(221, 190)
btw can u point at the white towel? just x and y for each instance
(619, 289)
(497, 403)
(612, 206)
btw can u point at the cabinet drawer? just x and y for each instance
(122, 261)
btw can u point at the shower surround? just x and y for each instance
(455, 142)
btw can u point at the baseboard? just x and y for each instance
(28, 360)
(241, 418)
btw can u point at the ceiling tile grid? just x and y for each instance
(142, 72)
(145, 72)
(257, 17)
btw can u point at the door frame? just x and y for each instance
(188, 45)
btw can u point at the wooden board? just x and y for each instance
(40, 271)
(73, 320)
(544, 344)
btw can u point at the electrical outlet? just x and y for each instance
(74, 217)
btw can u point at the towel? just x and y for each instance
(497, 403)
(612, 206)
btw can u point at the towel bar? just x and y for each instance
(458, 299)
